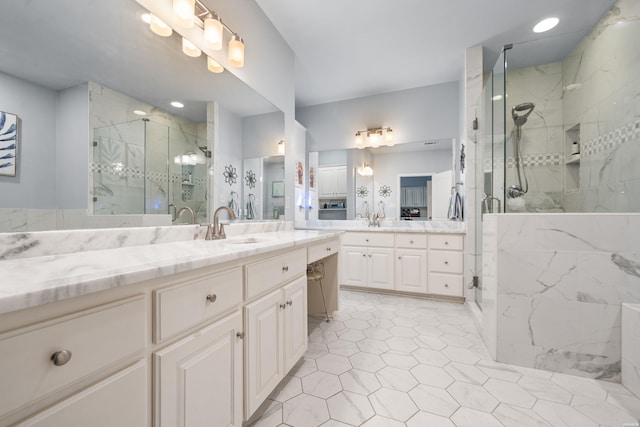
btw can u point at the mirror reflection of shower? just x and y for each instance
(520, 113)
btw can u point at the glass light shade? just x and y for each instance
(281, 147)
(184, 10)
(359, 140)
(374, 139)
(213, 66)
(236, 52)
(388, 136)
(190, 49)
(213, 33)
(159, 27)
(177, 159)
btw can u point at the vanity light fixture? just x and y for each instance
(190, 13)
(365, 170)
(545, 25)
(213, 66)
(375, 137)
(190, 49)
(281, 147)
(185, 10)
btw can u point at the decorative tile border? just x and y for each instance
(121, 171)
(529, 160)
(611, 140)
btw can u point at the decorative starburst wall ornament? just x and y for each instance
(230, 175)
(362, 191)
(250, 179)
(385, 191)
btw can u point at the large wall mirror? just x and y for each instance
(78, 86)
(410, 181)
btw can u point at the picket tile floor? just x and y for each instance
(387, 361)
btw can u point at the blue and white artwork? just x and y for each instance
(8, 143)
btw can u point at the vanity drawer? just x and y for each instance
(178, 308)
(445, 262)
(265, 275)
(368, 239)
(445, 284)
(95, 338)
(417, 241)
(321, 250)
(449, 242)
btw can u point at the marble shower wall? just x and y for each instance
(130, 172)
(553, 289)
(602, 95)
(542, 135)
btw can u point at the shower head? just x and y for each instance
(527, 107)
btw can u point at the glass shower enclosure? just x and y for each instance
(145, 167)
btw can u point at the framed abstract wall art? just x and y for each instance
(8, 143)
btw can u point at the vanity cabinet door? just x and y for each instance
(295, 322)
(380, 268)
(354, 264)
(411, 270)
(198, 380)
(263, 348)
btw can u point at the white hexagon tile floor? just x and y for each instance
(387, 361)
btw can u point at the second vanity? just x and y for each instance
(170, 334)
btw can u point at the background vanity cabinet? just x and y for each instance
(445, 262)
(275, 324)
(367, 260)
(411, 263)
(199, 378)
(332, 181)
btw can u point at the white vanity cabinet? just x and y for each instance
(332, 181)
(367, 260)
(446, 260)
(276, 338)
(411, 263)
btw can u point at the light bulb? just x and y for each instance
(213, 32)
(281, 147)
(184, 11)
(388, 137)
(236, 52)
(213, 66)
(359, 140)
(159, 27)
(190, 49)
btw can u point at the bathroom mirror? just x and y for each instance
(48, 66)
(373, 179)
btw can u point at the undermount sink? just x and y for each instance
(247, 241)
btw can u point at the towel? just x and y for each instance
(455, 206)
(251, 206)
(233, 204)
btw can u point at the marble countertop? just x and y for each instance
(386, 226)
(29, 282)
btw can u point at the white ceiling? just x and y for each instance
(352, 48)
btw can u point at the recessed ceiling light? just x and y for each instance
(146, 18)
(139, 112)
(177, 104)
(545, 25)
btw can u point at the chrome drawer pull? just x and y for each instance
(446, 262)
(285, 268)
(446, 243)
(328, 249)
(240, 335)
(212, 297)
(61, 357)
(446, 285)
(411, 241)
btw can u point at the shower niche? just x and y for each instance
(572, 158)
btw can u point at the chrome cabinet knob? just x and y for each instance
(446, 285)
(446, 243)
(290, 302)
(240, 335)
(212, 297)
(411, 241)
(283, 306)
(446, 263)
(285, 268)
(61, 357)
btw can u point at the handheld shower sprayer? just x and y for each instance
(526, 108)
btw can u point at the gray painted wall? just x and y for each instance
(34, 185)
(425, 113)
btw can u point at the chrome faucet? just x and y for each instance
(374, 220)
(218, 231)
(186, 209)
